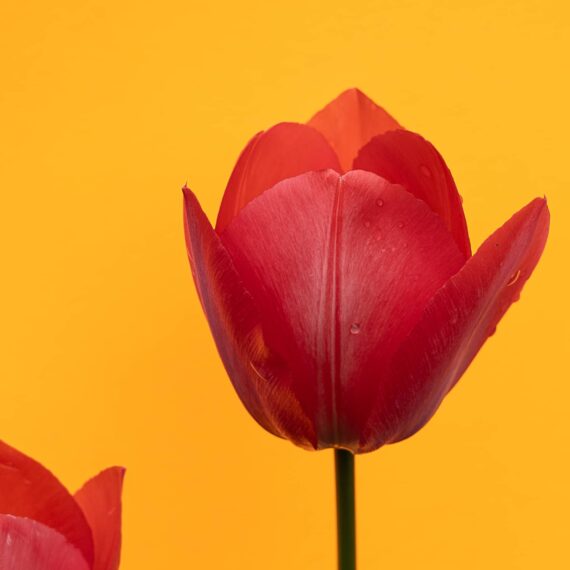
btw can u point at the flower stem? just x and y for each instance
(345, 507)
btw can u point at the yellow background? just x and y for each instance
(107, 109)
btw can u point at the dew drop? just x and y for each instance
(379, 202)
(425, 171)
(355, 328)
(514, 278)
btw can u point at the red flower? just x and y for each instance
(43, 526)
(339, 283)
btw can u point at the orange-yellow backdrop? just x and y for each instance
(107, 109)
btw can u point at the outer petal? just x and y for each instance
(100, 501)
(454, 326)
(341, 268)
(29, 545)
(237, 329)
(285, 150)
(349, 122)
(30, 490)
(405, 158)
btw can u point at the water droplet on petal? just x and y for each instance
(379, 202)
(514, 278)
(355, 328)
(425, 171)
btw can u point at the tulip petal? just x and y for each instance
(283, 151)
(455, 324)
(405, 158)
(100, 501)
(26, 544)
(236, 327)
(349, 122)
(31, 491)
(341, 268)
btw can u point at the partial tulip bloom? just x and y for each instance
(339, 282)
(43, 526)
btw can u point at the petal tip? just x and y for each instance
(186, 191)
(349, 121)
(354, 92)
(191, 202)
(118, 469)
(540, 205)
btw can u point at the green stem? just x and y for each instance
(345, 507)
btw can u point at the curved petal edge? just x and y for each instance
(26, 544)
(238, 332)
(35, 493)
(100, 501)
(406, 158)
(455, 325)
(281, 152)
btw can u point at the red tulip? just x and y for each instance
(43, 526)
(339, 283)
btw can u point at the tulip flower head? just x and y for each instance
(43, 526)
(339, 282)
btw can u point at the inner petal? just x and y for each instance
(340, 268)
